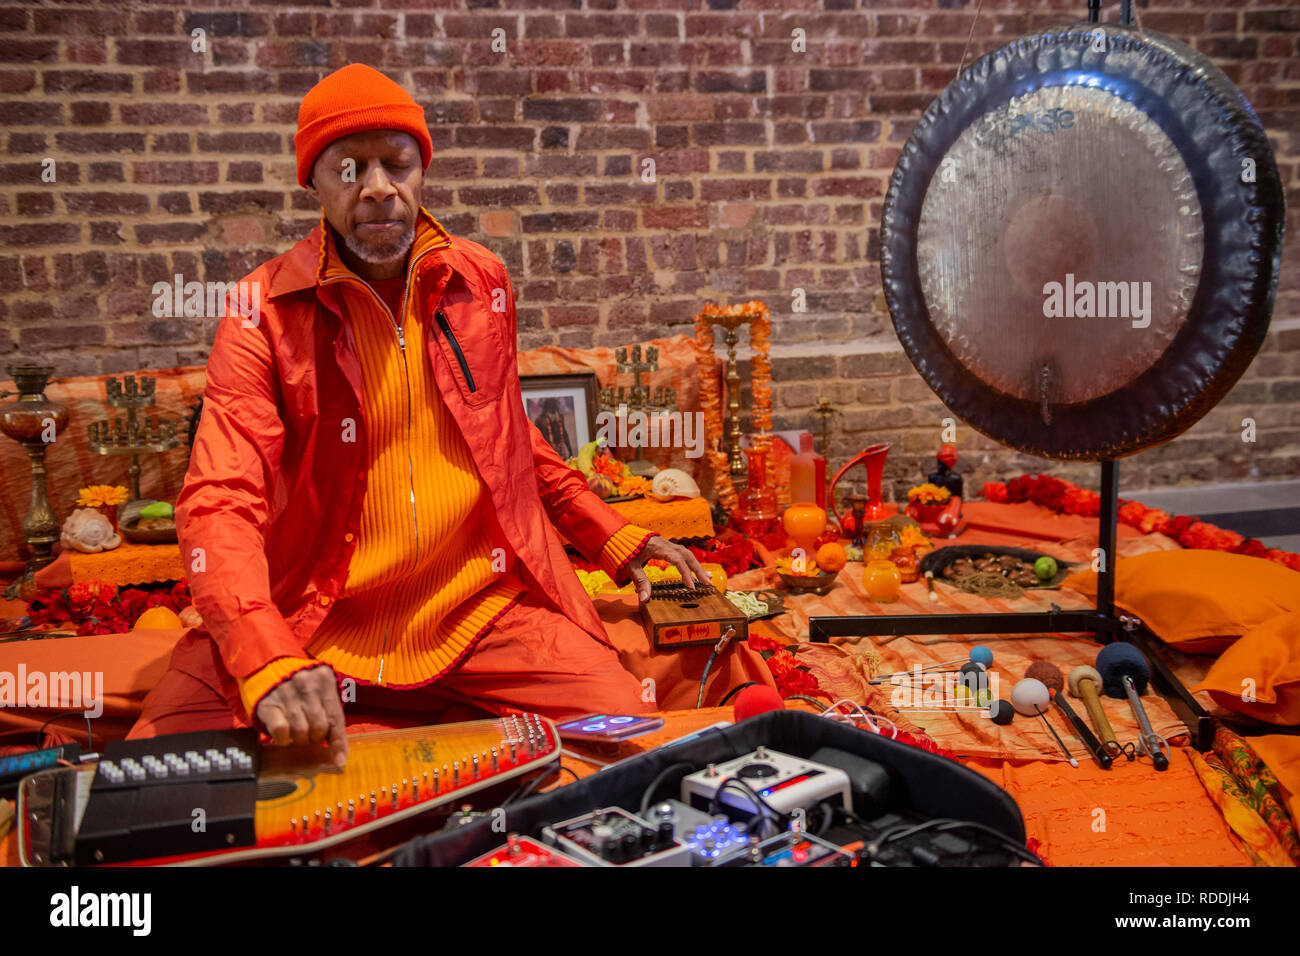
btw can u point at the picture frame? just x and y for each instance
(563, 407)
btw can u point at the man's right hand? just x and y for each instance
(306, 709)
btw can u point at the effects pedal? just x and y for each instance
(793, 849)
(709, 839)
(614, 837)
(786, 783)
(522, 851)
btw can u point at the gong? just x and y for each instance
(1081, 241)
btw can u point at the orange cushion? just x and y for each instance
(1263, 665)
(1199, 601)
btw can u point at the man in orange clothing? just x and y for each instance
(367, 501)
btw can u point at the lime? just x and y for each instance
(1045, 568)
(159, 509)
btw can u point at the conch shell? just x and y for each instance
(89, 531)
(673, 483)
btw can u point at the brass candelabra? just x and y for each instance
(131, 436)
(623, 401)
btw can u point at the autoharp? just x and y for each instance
(678, 616)
(217, 797)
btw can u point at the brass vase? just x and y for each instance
(33, 421)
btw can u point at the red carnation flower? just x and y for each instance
(1132, 513)
(994, 491)
(1154, 520)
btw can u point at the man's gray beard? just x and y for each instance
(383, 254)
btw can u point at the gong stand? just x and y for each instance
(1101, 621)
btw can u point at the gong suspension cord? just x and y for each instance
(976, 19)
(1127, 10)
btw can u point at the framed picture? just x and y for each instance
(563, 407)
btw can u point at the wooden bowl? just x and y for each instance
(818, 583)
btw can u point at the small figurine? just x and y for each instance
(944, 476)
(89, 531)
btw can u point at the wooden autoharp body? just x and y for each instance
(268, 803)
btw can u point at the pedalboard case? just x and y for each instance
(921, 786)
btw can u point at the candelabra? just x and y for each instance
(622, 401)
(131, 436)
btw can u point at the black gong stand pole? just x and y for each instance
(1108, 522)
(1094, 11)
(1126, 12)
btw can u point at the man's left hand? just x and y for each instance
(679, 557)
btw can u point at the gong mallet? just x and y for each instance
(1030, 697)
(1124, 673)
(1050, 675)
(1085, 683)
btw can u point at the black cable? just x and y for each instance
(751, 793)
(943, 824)
(90, 740)
(527, 789)
(718, 648)
(735, 690)
(657, 782)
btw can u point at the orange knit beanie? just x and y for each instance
(351, 100)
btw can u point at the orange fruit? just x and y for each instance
(831, 557)
(158, 618)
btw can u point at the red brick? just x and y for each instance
(560, 316)
(600, 25)
(675, 217)
(29, 51)
(101, 142)
(40, 234)
(19, 113)
(714, 189)
(174, 173)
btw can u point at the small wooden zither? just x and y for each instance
(678, 616)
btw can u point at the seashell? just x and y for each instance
(673, 483)
(89, 531)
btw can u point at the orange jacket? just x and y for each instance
(270, 510)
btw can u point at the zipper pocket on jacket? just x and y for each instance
(455, 347)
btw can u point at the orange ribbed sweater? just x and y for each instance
(431, 571)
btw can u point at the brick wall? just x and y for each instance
(770, 167)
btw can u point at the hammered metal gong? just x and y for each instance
(1081, 241)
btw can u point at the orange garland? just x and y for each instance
(760, 343)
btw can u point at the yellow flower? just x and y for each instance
(634, 485)
(101, 496)
(595, 582)
(912, 537)
(928, 494)
(116, 495)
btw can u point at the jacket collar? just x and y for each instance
(303, 266)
